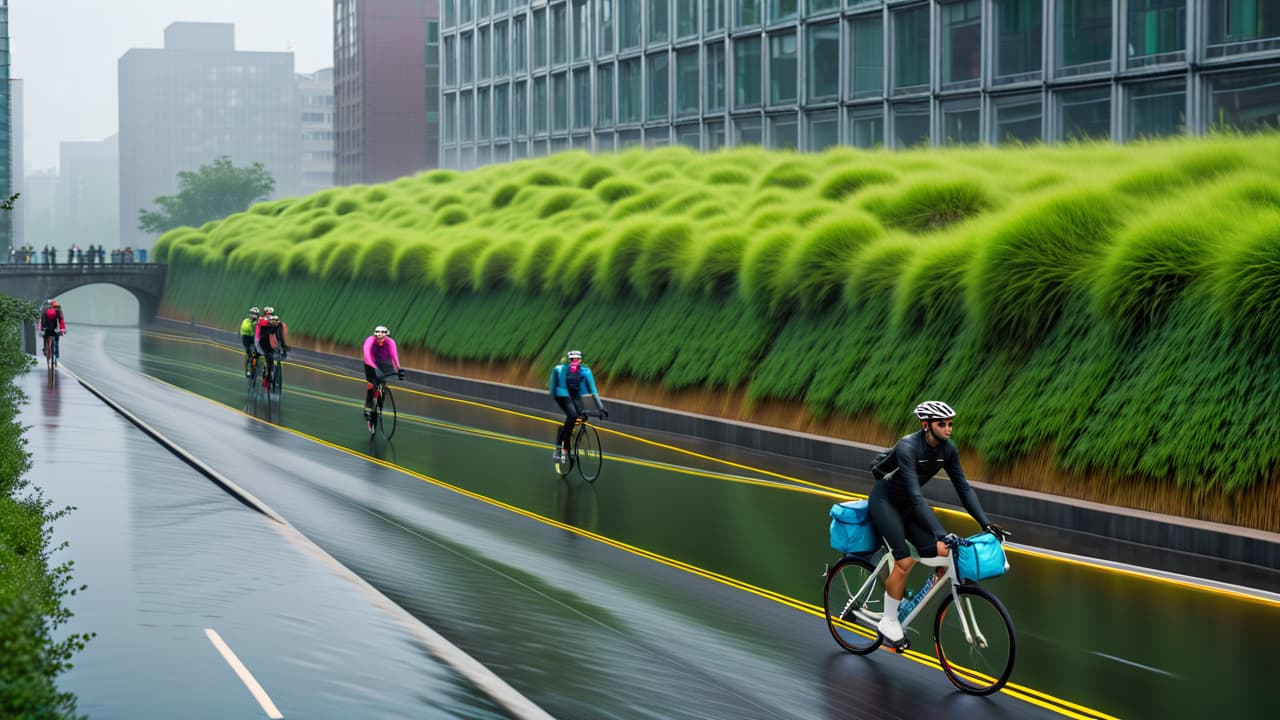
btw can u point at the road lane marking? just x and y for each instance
(243, 673)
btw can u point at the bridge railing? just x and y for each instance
(62, 268)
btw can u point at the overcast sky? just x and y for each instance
(65, 52)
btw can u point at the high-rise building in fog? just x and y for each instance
(386, 87)
(17, 163)
(194, 100)
(7, 171)
(87, 200)
(315, 110)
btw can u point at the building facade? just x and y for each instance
(196, 99)
(315, 113)
(384, 94)
(17, 164)
(87, 201)
(531, 77)
(7, 171)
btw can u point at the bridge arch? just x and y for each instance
(37, 283)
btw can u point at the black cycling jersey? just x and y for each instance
(573, 382)
(918, 462)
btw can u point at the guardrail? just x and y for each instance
(42, 269)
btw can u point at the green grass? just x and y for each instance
(1059, 295)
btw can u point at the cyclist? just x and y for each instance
(568, 380)
(271, 338)
(247, 328)
(900, 513)
(380, 358)
(52, 325)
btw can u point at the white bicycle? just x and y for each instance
(973, 635)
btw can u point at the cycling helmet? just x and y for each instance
(274, 319)
(268, 310)
(381, 330)
(575, 354)
(254, 310)
(53, 303)
(931, 410)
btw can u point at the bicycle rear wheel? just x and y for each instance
(277, 378)
(980, 662)
(387, 422)
(850, 588)
(587, 452)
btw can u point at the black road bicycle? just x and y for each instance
(384, 414)
(585, 452)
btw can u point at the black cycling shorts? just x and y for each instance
(897, 527)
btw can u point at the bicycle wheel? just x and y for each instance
(277, 378)
(979, 662)
(387, 422)
(851, 589)
(587, 452)
(564, 465)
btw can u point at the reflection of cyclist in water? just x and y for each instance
(52, 324)
(568, 380)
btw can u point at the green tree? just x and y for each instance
(212, 192)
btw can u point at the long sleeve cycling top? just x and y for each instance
(51, 320)
(246, 328)
(563, 382)
(374, 353)
(918, 462)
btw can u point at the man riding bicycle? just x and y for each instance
(247, 331)
(380, 358)
(568, 380)
(52, 325)
(900, 513)
(271, 339)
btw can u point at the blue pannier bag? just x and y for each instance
(851, 531)
(980, 557)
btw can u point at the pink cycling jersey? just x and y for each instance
(374, 353)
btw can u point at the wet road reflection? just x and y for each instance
(638, 639)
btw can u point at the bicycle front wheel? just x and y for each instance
(974, 640)
(387, 413)
(851, 592)
(588, 453)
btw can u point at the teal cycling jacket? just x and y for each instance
(559, 386)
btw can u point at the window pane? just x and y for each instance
(746, 72)
(604, 142)
(560, 102)
(1237, 26)
(824, 129)
(715, 77)
(659, 87)
(467, 50)
(866, 76)
(961, 43)
(1156, 109)
(783, 69)
(1084, 36)
(482, 9)
(657, 137)
(450, 13)
(659, 30)
(539, 38)
(960, 122)
(910, 124)
(1018, 118)
(686, 18)
(559, 34)
(604, 19)
(1248, 102)
(689, 136)
(499, 6)
(540, 109)
(450, 118)
(823, 48)
(519, 44)
(687, 82)
(581, 30)
(748, 131)
(748, 13)
(1018, 30)
(467, 118)
(819, 6)
(628, 24)
(1157, 31)
(1085, 114)
(629, 91)
(464, 11)
(604, 95)
(628, 139)
(784, 132)
(581, 99)
(501, 112)
(450, 62)
(483, 116)
(780, 10)
(501, 50)
(713, 14)
(520, 109)
(714, 131)
(866, 127)
(482, 50)
(910, 50)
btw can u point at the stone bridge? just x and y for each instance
(38, 283)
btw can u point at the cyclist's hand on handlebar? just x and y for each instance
(943, 548)
(604, 413)
(400, 374)
(998, 531)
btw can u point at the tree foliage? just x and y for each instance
(212, 192)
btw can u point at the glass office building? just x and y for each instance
(7, 169)
(532, 77)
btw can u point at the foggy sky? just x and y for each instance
(65, 51)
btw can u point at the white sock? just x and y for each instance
(891, 606)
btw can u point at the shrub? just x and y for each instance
(592, 176)
(663, 253)
(844, 182)
(456, 264)
(452, 215)
(530, 271)
(789, 174)
(414, 263)
(931, 204)
(814, 270)
(618, 255)
(932, 288)
(713, 265)
(496, 262)
(1248, 287)
(505, 193)
(614, 189)
(376, 262)
(341, 261)
(729, 176)
(761, 266)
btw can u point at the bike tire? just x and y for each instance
(975, 668)
(564, 466)
(587, 453)
(277, 378)
(842, 594)
(387, 423)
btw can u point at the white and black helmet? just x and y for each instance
(931, 410)
(575, 354)
(381, 330)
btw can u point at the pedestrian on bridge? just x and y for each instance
(53, 256)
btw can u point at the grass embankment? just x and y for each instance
(31, 588)
(1095, 311)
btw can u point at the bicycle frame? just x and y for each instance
(948, 581)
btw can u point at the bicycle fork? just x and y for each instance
(969, 623)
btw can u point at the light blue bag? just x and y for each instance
(851, 531)
(980, 557)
